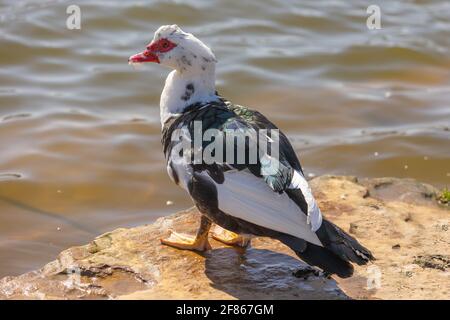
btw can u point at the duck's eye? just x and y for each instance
(164, 45)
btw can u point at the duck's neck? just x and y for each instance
(186, 87)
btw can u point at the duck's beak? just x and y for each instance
(145, 56)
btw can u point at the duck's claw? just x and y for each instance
(230, 238)
(187, 242)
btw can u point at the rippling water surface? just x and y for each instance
(79, 128)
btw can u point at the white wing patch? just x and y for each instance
(314, 214)
(244, 196)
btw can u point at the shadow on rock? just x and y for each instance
(265, 274)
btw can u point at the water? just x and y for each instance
(80, 151)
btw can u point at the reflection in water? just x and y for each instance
(80, 146)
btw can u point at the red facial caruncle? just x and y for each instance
(152, 50)
(162, 45)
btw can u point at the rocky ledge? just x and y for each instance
(398, 219)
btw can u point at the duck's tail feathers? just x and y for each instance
(335, 256)
(342, 244)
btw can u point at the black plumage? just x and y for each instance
(339, 248)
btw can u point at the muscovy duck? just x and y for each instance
(241, 198)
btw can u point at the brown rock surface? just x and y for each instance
(398, 219)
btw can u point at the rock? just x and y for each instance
(353, 228)
(434, 261)
(131, 263)
(407, 190)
